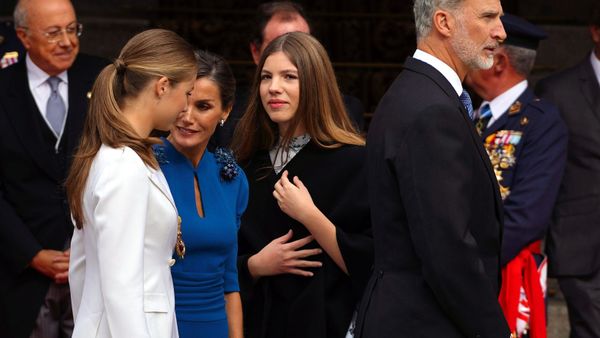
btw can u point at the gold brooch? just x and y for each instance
(515, 108)
(179, 245)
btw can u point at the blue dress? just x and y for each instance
(209, 268)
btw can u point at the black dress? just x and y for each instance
(319, 306)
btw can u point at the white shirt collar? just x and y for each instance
(441, 67)
(595, 65)
(37, 76)
(502, 103)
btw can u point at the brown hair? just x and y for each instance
(321, 109)
(148, 55)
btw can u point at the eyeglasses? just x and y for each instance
(55, 35)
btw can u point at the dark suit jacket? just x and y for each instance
(436, 214)
(574, 238)
(223, 136)
(528, 151)
(33, 205)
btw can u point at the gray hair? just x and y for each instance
(20, 14)
(521, 59)
(424, 9)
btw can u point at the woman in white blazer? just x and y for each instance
(125, 216)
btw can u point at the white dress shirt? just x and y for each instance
(40, 89)
(502, 103)
(596, 65)
(441, 67)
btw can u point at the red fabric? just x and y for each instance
(520, 272)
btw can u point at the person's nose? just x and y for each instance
(65, 39)
(274, 85)
(187, 109)
(499, 34)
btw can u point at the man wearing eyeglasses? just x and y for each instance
(43, 101)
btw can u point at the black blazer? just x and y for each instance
(436, 216)
(290, 306)
(573, 245)
(33, 206)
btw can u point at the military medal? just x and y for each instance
(515, 108)
(179, 245)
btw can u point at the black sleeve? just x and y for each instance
(19, 245)
(353, 222)
(436, 195)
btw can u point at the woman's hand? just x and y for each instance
(294, 199)
(280, 257)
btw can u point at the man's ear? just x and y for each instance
(162, 86)
(22, 35)
(444, 23)
(255, 51)
(501, 61)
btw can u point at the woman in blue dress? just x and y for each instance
(210, 193)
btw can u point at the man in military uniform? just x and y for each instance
(11, 49)
(526, 140)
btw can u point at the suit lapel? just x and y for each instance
(162, 187)
(79, 87)
(444, 84)
(499, 123)
(590, 88)
(21, 109)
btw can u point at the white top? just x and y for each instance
(40, 89)
(441, 67)
(595, 65)
(280, 157)
(502, 103)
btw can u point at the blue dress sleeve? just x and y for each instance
(231, 283)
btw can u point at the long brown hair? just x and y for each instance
(321, 109)
(148, 55)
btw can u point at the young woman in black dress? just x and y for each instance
(305, 244)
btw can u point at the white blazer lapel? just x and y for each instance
(161, 184)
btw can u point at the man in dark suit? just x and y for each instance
(436, 209)
(526, 140)
(273, 20)
(573, 245)
(43, 101)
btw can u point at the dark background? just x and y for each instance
(367, 40)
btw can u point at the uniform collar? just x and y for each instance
(37, 76)
(504, 101)
(441, 67)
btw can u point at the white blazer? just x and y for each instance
(120, 273)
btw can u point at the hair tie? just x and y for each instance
(120, 65)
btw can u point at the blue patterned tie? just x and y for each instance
(55, 107)
(465, 99)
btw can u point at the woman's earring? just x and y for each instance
(222, 122)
